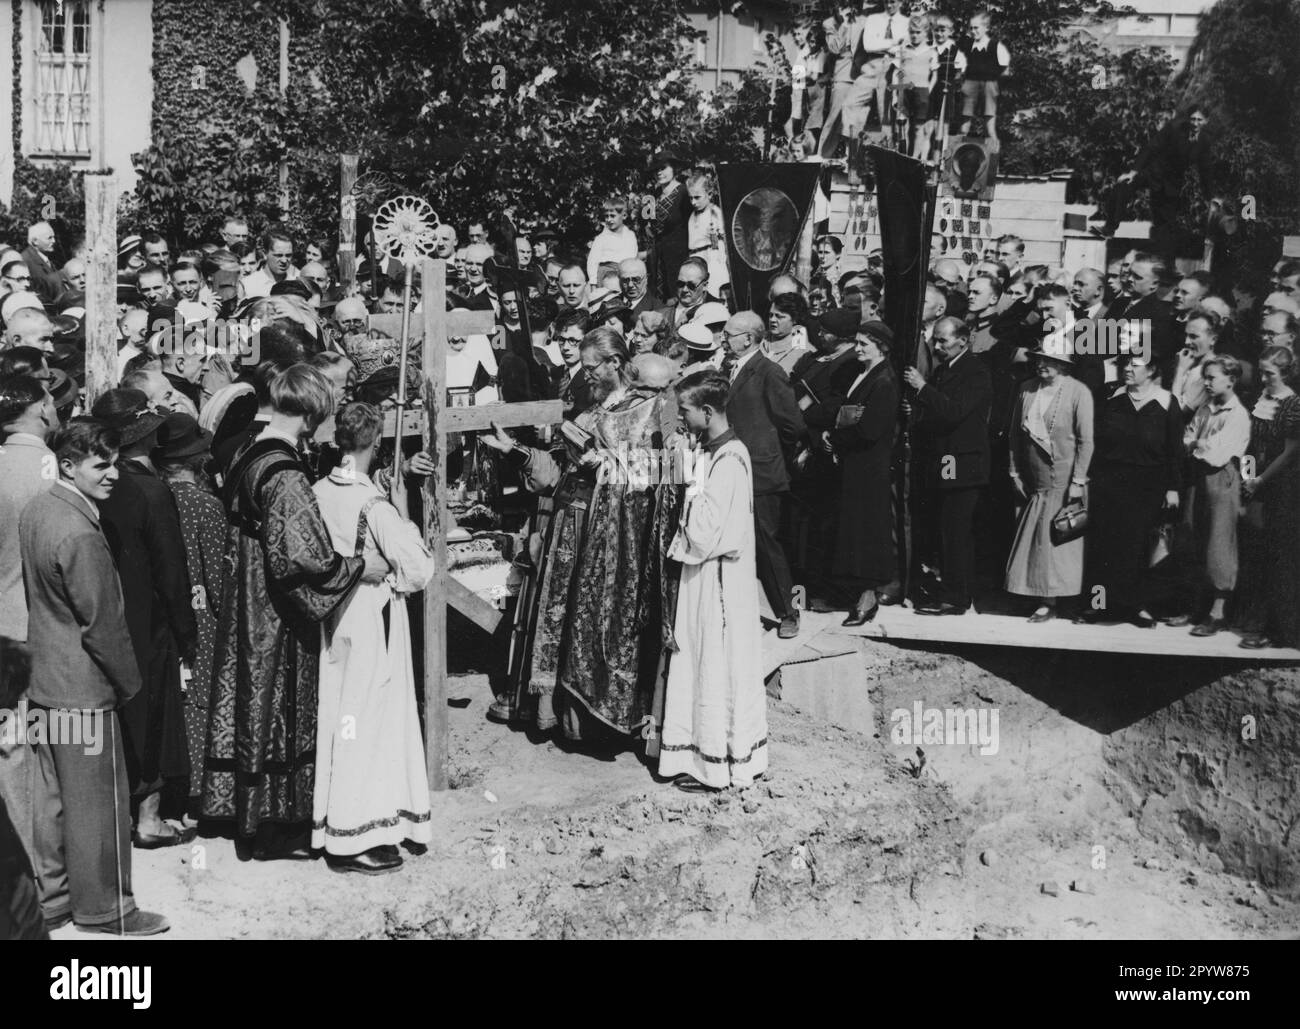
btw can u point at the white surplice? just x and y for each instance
(715, 704)
(371, 784)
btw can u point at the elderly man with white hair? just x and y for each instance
(475, 292)
(46, 283)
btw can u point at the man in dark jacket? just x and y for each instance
(46, 282)
(762, 410)
(83, 669)
(143, 529)
(1161, 167)
(951, 443)
(1149, 317)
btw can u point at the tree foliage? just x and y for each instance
(543, 108)
(1243, 67)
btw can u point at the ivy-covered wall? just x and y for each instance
(220, 126)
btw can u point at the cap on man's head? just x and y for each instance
(697, 336)
(712, 313)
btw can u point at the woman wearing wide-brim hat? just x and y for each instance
(1051, 449)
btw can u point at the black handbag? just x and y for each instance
(1069, 523)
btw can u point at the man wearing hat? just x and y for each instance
(144, 533)
(703, 350)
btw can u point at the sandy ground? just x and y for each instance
(843, 839)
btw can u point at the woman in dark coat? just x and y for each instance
(820, 380)
(1135, 476)
(668, 228)
(863, 439)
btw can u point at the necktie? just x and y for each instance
(889, 27)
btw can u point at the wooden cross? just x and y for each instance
(433, 423)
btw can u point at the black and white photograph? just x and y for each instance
(538, 470)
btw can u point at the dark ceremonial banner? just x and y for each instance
(906, 206)
(764, 210)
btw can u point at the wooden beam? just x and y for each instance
(347, 252)
(101, 285)
(284, 93)
(508, 416)
(472, 606)
(434, 355)
(459, 323)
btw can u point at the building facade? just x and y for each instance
(81, 91)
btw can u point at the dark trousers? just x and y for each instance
(83, 845)
(773, 567)
(956, 531)
(1164, 212)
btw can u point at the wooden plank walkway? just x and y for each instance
(902, 624)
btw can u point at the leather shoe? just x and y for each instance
(137, 923)
(1045, 615)
(1210, 626)
(789, 627)
(1178, 621)
(1255, 641)
(859, 617)
(941, 609)
(1143, 620)
(369, 862)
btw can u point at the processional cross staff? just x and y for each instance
(404, 230)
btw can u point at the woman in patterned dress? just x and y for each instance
(183, 451)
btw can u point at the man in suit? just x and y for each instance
(1146, 312)
(950, 438)
(692, 293)
(143, 529)
(764, 414)
(634, 279)
(27, 417)
(1161, 167)
(83, 669)
(46, 282)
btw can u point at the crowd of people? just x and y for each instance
(210, 563)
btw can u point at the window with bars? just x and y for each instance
(62, 80)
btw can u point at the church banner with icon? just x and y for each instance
(765, 208)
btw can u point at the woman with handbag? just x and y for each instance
(1051, 448)
(1136, 475)
(863, 438)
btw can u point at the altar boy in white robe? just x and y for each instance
(715, 705)
(371, 789)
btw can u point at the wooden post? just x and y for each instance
(347, 253)
(284, 93)
(101, 285)
(434, 354)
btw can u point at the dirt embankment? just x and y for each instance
(851, 835)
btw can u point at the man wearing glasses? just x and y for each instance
(692, 294)
(16, 277)
(764, 414)
(634, 280)
(1278, 330)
